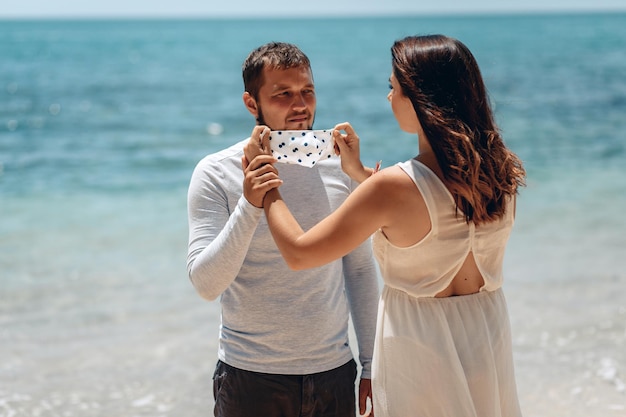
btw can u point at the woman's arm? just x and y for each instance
(367, 209)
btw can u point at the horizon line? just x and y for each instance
(373, 14)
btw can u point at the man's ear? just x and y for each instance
(250, 104)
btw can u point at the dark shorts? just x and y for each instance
(240, 393)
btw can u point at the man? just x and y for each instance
(283, 344)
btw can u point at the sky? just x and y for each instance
(284, 8)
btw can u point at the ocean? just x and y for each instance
(102, 123)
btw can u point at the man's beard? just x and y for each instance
(261, 120)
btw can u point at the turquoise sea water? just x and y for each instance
(102, 122)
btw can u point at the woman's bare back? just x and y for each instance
(412, 223)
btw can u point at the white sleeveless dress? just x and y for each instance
(443, 357)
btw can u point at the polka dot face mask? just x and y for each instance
(302, 147)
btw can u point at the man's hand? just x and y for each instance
(365, 392)
(260, 176)
(258, 143)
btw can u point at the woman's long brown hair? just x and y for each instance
(442, 79)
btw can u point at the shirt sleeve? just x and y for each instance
(361, 280)
(218, 239)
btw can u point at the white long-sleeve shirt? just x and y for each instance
(276, 320)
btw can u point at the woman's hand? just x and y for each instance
(347, 146)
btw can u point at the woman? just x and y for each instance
(440, 223)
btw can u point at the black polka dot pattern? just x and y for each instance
(302, 147)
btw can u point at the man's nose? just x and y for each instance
(299, 102)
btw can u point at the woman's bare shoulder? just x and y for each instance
(392, 176)
(405, 219)
(389, 187)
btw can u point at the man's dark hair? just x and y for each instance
(276, 55)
